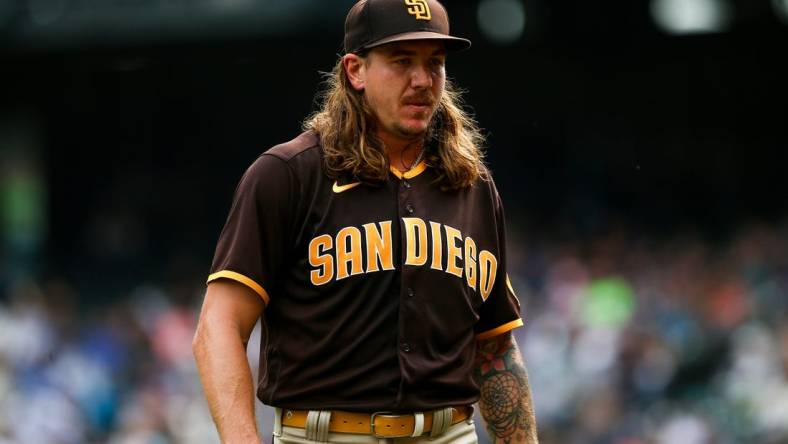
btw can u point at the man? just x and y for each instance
(373, 246)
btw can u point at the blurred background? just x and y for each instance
(637, 146)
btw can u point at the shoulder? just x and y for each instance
(296, 157)
(485, 182)
(487, 191)
(305, 144)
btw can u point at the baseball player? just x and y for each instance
(373, 247)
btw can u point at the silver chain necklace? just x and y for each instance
(418, 158)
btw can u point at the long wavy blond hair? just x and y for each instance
(346, 128)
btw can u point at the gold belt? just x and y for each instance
(382, 424)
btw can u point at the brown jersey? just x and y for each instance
(375, 295)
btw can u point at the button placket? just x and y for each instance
(406, 209)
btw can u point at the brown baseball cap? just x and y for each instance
(372, 23)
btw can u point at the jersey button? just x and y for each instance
(406, 184)
(411, 293)
(409, 208)
(405, 347)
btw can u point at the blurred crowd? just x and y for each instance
(628, 339)
(670, 341)
(119, 373)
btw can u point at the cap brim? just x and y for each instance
(452, 43)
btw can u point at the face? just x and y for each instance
(403, 83)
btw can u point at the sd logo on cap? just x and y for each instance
(419, 8)
(372, 23)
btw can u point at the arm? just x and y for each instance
(229, 313)
(505, 402)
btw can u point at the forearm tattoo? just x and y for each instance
(505, 395)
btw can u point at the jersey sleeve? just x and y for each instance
(500, 312)
(252, 244)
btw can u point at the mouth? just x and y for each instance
(418, 107)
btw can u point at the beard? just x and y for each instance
(409, 133)
(414, 133)
(422, 98)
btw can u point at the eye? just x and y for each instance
(438, 62)
(402, 62)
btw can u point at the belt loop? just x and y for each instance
(441, 421)
(277, 422)
(469, 419)
(418, 427)
(323, 425)
(310, 428)
(317, 425)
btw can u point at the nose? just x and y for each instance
(421, 77)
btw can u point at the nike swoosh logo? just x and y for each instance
(340, 188)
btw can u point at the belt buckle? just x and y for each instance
(375, 433)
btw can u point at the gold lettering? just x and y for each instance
(488, 267)
(437, 246)
(345, 254)
(415, 232)
(317, 258)
(419, 8)
(379, 246)
(453, 252)
(470, 262)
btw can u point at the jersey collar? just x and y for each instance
(411, 173)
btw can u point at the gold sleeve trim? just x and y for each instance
(238, 277)
(411, 173)
(509, 285)
(501, 329)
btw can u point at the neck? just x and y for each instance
(402, 153)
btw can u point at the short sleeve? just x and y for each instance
(500, 312)
(252, 244)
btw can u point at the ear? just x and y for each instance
(355, 69)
